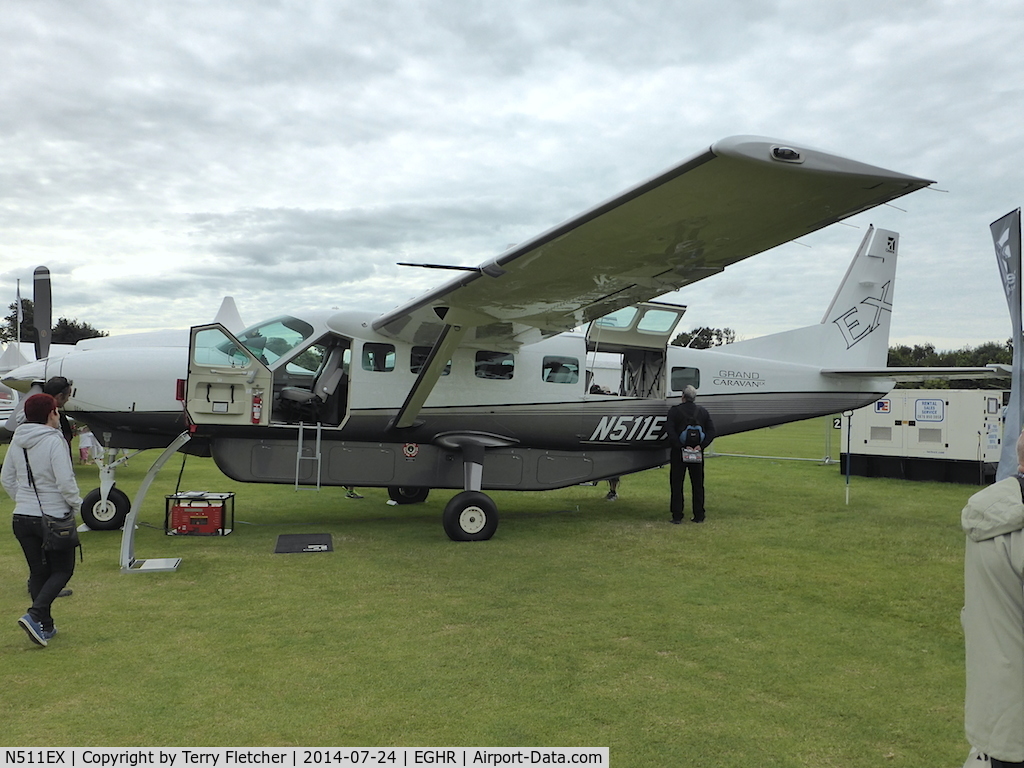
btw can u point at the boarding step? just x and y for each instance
(314, 455)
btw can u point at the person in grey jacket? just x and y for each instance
(40, 443)
(993, 619)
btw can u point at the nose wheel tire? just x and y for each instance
(470, 516)
(106, 515)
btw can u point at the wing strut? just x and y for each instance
(447, 342)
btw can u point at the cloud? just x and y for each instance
(163, 155)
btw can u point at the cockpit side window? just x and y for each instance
(212, 347)
(273, 339)
(309, 360)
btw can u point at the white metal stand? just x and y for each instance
(315, 457)
(128, 562)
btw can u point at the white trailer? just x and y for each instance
(951, 435)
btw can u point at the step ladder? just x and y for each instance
(315, 456)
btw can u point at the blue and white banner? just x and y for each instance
(1006, 236)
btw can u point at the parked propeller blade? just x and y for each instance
(43, 319)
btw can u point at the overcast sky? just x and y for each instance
(158, 156)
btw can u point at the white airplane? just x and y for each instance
(479, 384)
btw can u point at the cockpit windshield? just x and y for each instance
(273, 339)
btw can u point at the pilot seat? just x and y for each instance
(318, 404)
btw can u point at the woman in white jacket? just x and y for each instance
(993, 619)
(39, 442)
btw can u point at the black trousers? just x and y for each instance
(48, 572)
(677, 474)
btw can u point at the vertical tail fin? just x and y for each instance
(854, 333)
(874, 269)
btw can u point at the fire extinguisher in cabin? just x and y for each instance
(257, 406)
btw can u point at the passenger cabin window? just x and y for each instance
(561, 370)
(378, 357)
(683, 376)
(418, 359)
(494, 365)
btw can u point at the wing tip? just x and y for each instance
(767, 149)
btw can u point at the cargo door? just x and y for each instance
(636, 336)
(227, 384)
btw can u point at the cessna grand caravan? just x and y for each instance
(481, 384)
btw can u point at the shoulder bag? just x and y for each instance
(59, 533)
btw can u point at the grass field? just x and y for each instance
(788, 630)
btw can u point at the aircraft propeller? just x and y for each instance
(43, 320)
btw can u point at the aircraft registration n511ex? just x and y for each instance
(480, 384)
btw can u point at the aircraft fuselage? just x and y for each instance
(535, 399)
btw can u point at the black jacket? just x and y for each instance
(679, 417)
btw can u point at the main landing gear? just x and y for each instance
(407, 494)
(471, 515)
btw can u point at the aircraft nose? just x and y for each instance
(22, 377)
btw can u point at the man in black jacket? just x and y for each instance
(685, 455)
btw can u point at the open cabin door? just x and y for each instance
(639, 335)
(227, 385)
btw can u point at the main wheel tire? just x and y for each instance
(107, 516)
(470, 516)
(407, 494)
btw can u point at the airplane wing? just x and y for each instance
(741, 196)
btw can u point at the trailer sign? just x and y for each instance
(883, 406)
(929, 409)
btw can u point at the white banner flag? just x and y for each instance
(1006, 236)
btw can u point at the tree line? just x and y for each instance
(65, 330)
(925, 355)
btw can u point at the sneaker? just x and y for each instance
(612, 496)
(676, 522)
(352, 495)
(33, 629)
(49, 634)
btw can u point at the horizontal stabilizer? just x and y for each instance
(923, 373)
